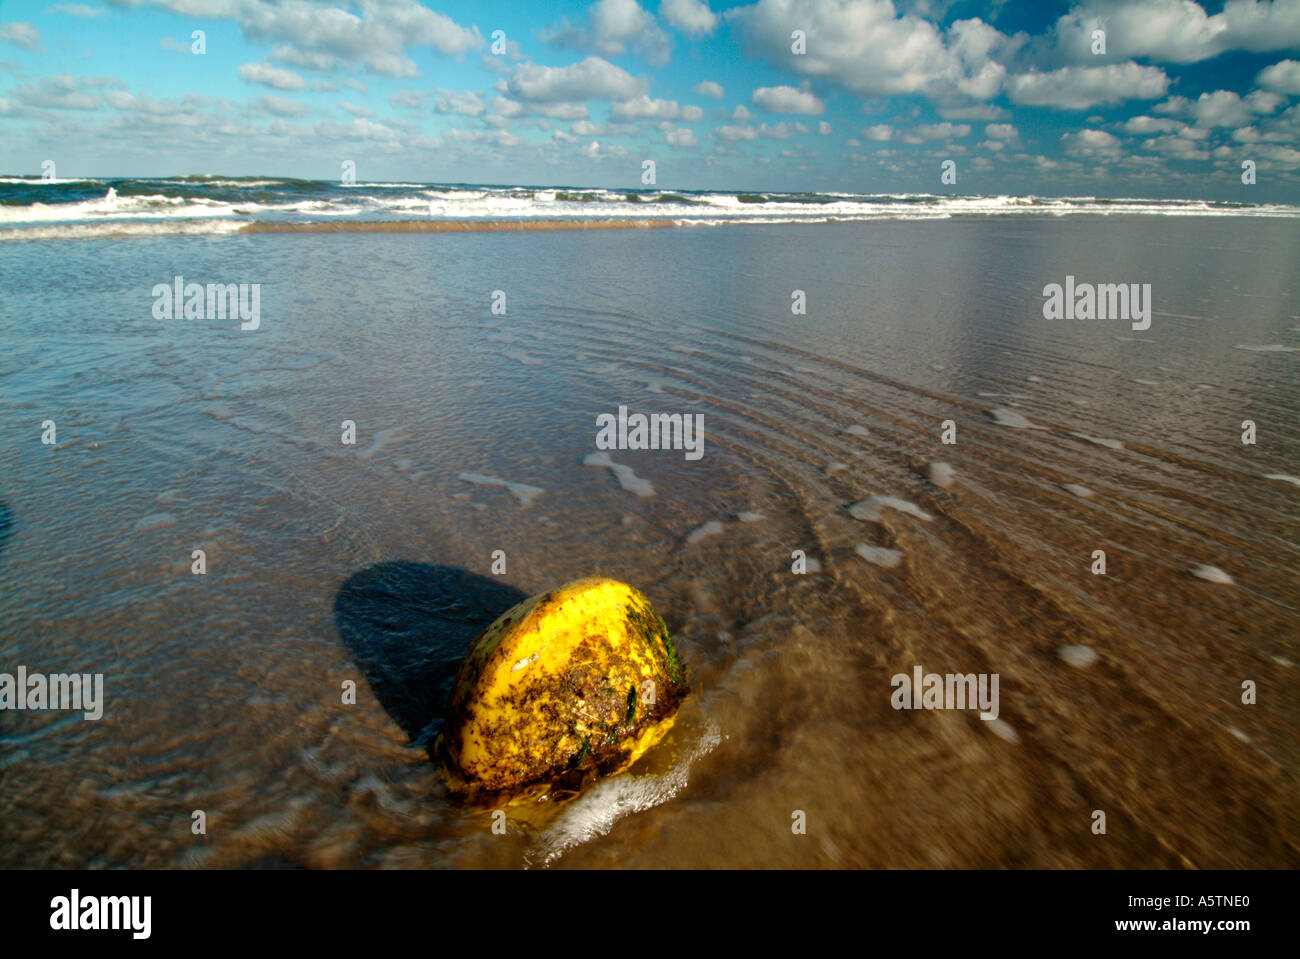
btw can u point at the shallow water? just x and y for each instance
(329, 563)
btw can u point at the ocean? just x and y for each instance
(905, 465)
(35, 209)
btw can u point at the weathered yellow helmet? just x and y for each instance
(584, 677)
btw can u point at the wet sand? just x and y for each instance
(330, 563)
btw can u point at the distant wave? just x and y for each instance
(38, 181)
(111, 206)
(31, 208)
(123, 228)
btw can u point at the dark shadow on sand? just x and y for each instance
(408, 626)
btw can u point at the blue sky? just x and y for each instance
(1014, 93)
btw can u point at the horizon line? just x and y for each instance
(68, 180)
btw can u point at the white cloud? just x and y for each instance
(1288, 120)
(1222, 108)
(407, 100)
(781, 131)
(76, 10)
(776, 131)
(281, 106)
(683, 138)
(707, 88)
(305, 59)
(1091, 143)
(644, 108)
(359, 129)
(731, 133)
(1001, 131)
(269, 76)
(183, 113)
(978, 111)
(466, 103)
(1179, 148)
(1179, 31)
(824, 128)
(879, 133)
(1281, 129)
(505, 107)
(622, 23)
(591, 79)
(64, 92)
(282, 128)
(1145, 126)
(313, 36)
(371, 34)
(23, 35)
(691, 17)
(741, 113)
(560, 111)
(598, 151)
(1285, 157)
(788, 100)
(1264, 101)
(1078, 88)
(935, 131)
(868, 48)
(1283, 77)
(615, 27)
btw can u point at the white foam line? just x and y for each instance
(1211, 574)
(1008, 417)
(872, 508)
(711, 528)
(595, 812)
(1109, 444)
(626, 478)
(879, 555)
(942, 475)
(382, 438)
(521, 491)
(123, 228)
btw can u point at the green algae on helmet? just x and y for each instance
(581, 678)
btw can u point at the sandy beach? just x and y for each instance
(476, 431)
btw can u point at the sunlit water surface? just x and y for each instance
(223, 691)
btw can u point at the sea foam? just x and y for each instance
(626, 478)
